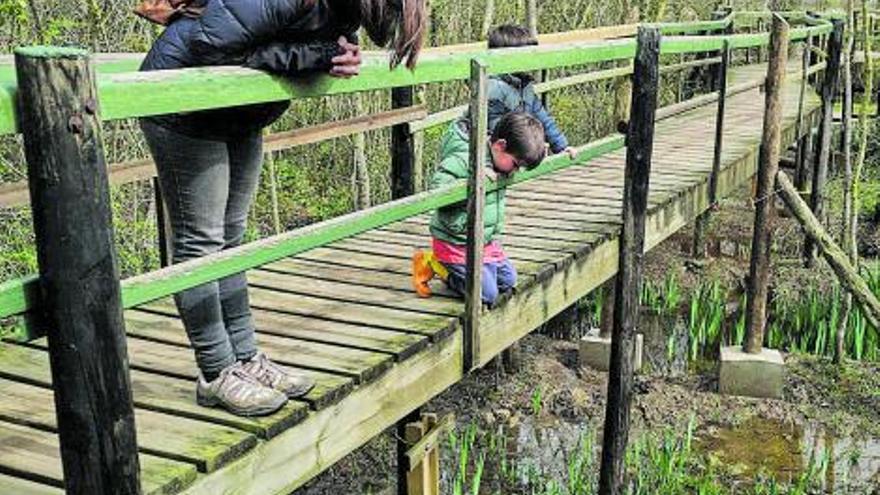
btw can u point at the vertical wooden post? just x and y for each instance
(479, 123)
(418, 139)
(768, 164)
(820, 162)
(640, 143)
(79, 274)
(360, 177)
(803, 136)
(703, 219)
(403, 445)
(163, 226)
(402, 153)
(416, 479)
(606, 318)
(273, 191)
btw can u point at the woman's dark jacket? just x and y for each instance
(285, 37)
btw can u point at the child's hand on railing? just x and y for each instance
(348, 63)
(491, 174)
(571, 152)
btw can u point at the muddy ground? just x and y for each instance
(842, 402)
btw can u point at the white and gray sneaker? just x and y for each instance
(271, 375)
(238, 392)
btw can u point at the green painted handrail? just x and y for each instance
(138, 94)
(18, 296)
(120, 93)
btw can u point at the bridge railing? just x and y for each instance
(123, 94)
(135, 94)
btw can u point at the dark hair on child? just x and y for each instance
(510, 36)
(524, 135)
(398, 23)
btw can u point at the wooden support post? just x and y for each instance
(273, 191)
(402, 152)
(768, 163)
(820, 163)
(702, 222)
(422, 459)
(360, 176)
(163, 226)
(403, 447)
(606, 318)
(640, 143)
(418, 138)
(834, 255)
(804, 136)
(479, 122)
(79, 274)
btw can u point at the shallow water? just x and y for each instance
(786, 451)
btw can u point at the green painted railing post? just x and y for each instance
(640, 144)
(479, 123)
(79, 274)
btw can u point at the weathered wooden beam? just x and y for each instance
(759, 270)
(834, 255)
(16, 194)
(640, 143)
(79, 274)
(820, 163)
(473, 301)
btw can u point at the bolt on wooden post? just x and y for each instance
(640, 144)
(479, 123)
(79, 275)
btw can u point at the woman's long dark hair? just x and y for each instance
(396, 24)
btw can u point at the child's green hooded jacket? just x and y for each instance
(450, 223)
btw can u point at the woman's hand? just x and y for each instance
(348, 63)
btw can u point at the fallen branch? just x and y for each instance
(839, 261)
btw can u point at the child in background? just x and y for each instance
(516, 92)
(517, 141)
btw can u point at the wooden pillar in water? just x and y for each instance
(820, 163)
(640, 143)
(702, 222)
(402, 149)
(79, 275)
(768, 163)
(479, 123)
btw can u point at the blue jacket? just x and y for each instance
(285, 37)
(516, 93)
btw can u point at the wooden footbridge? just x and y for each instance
(332, 300)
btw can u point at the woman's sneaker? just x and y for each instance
(239, 393)
(261, 368)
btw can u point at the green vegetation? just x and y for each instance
(657, 464)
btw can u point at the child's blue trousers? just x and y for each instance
(497, 278)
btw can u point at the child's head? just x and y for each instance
(510, 36)
(517, 142)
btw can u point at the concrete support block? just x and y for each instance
(751, 375)
(595, 351)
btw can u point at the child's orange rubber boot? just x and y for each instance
(422, 273)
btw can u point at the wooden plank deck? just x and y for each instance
(345, 314)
